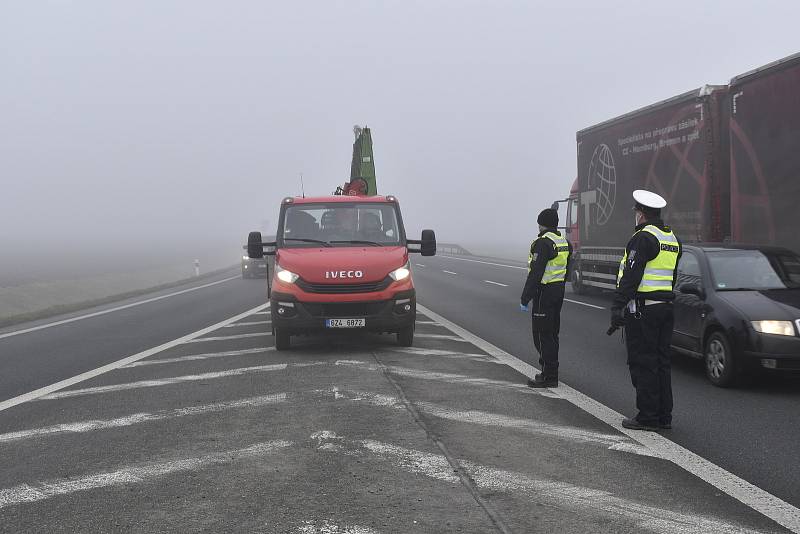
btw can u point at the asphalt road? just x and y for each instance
(751, 431)
(216, 431)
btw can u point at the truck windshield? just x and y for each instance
(341, 225)
(753, 270)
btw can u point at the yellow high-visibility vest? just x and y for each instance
(660, 271)
(556, 268)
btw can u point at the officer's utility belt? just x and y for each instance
(635, 305)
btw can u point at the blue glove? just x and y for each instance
(523, 308)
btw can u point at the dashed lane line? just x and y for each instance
(115, 309)
(483, 262)
(138, 418)
(449, 272)
(595, 306)
(756, 498)
(28, 493)
(496, 283)
(57, 386)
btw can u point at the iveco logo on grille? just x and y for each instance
(344, 274)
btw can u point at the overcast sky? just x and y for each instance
(151, 120)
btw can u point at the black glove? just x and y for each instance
(617, 317)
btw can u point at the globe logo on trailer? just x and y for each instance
(603, 179)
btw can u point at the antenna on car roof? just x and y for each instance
(302, 187)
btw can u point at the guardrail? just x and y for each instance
(452, 248)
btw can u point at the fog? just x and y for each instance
(170, 129)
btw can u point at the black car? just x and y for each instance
(253, 268)
(738, 308)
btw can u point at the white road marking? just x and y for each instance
(329, 527)
(420, 264)
(581, 500)
(452, 378)
(448, 272)
(27, 493)
(483, 262)
(756, 498)
(438, 336)
(112, 310)
(138, 418)
(193, 357)
(164, 381)
(418, 351)
(585, 304)
(434, 323)
(250, 323)
(496, 283)
(225, 338)
(267, 312)
(617, 442)
(41, 392)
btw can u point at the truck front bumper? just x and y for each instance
(296, 317)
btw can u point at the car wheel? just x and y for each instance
(282, 339)
(405, 337)
(721, 368)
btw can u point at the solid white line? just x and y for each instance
(756, 498)
(483, 262)
(138, 418)
(496, 283)
(585, 304)
(225, 338)
(250, 323)
(206, 356)
(111, 310)
(164, 381)
(27, 493)
(448, 272)
(41, 392)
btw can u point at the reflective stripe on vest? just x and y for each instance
(556, 269)
(659, 272)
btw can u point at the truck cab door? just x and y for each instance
(690, 309)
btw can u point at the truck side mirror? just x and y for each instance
(428, 247)
(255, 247)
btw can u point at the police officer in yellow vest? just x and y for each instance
(544, 287)
(643, 305)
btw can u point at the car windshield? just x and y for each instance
(341, 224)
(753, 270)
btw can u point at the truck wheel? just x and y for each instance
(282, 339)
(721, 368)
(405, 337)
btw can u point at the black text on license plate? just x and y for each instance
(345, 323)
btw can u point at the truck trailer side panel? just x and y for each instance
(764, 136)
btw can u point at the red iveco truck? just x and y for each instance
(725, 157)
(342, 261)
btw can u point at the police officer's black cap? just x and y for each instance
(548, 218)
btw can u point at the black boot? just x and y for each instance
(541, 381)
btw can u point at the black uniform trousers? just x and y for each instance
(546, 324)
(647, 337)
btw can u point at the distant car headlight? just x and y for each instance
(245, 258)
(400, 274)
(780, 328)
(286, 276)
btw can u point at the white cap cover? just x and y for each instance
(649, 199)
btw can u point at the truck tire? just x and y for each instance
(722, 369)
(282, 339)
(405, 337)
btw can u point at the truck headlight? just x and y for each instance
(779, 328)
(286, 276)
(400, 274)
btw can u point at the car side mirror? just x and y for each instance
(693, 289)
(428, 247)
(255, 246)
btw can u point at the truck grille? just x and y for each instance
(368, 287)
(344, 309)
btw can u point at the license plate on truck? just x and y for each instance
(345, 323)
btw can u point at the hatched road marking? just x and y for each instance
(206, 356)
(224, 338)
(756, 498)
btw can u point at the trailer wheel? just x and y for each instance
(282, 339)
(405, 337)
